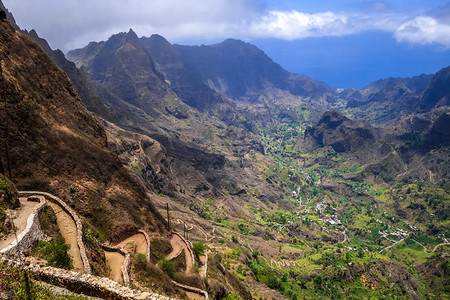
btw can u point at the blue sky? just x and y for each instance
(346, 43)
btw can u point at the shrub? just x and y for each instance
(140, 261)
(8, 193)
(167, 266)
(231, 297)
(56, 252)
(199, 248)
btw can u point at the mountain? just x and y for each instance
(86, 89)
(191, 90)
(388, 100)
(9, 16)
(340, 133)
(437, 93)
(241, 71)
(56, 145)
(410, 149)
(207, 154)
(296, 189)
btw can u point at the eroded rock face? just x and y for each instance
(438, 92)
(440, 132)
(340, 133)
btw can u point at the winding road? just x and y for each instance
(116, 260)
(179, 245)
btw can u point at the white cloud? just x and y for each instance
(73, 23)
(70, 24)
(424, 30)
(297, 25)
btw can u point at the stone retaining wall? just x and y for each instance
(205, 270)
(76, 219)
(147, 238)
(32, 232)
(126, 266)
(87, 284)
(191, 252)
(192, 289)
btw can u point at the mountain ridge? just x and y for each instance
(291, 199)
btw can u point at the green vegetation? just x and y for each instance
(199, 248)
(336, 239)
(55, 252)
(22, 285)
(151, 276)
(167, 266)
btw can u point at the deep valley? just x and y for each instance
(243, 180)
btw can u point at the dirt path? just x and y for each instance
(139, 240)
(194, 296)
(179, 245)
(442, 244)
(69, 232)
(19, 217)
(115, 261)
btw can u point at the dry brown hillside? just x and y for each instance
(56, 145)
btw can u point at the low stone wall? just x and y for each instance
(126, 266)
(32, 232)
(205, 269)
(191, 253)
(147, 238)
(86, 283)
(76, 219)
(192, 289)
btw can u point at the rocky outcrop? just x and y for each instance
(340, 133)
(438, 92)
(440, 134)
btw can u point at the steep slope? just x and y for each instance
(197, 154)
(85, 88)
(9, 16)
(56, 145)
(437, 93)
(386, 101)
(241, 71)
(341, 134)
(191, 90)
(135, 90)
(413, 149)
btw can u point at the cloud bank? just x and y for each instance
(73, 23)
